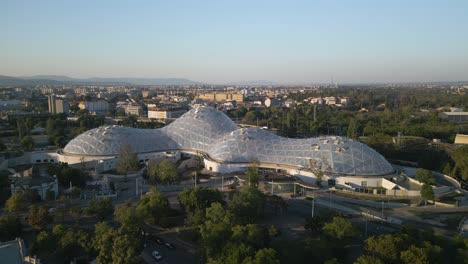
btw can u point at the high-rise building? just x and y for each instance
(57, 105)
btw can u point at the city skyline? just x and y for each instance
(222, 42)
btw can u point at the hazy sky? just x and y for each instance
(217, 41)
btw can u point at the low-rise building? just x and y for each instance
(95, 107)
(454, 116)
(220, 97)
(42, 185)
(14, 252)
(269, 102)
(134, 110)
(165, 113)
(461, 139)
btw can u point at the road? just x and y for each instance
(180, 254)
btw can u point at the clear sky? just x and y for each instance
(218, 41)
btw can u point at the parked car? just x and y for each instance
(156, 255)
(169, 245)
(159, 241)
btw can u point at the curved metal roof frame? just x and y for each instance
(209, 130)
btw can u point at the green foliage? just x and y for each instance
(195, 200)
(224, 243)
(386, 248)
(2, 146)
(10, 227)
(17, 202)
(427, 192)
(366, 259)
(251, 234)
(125, 248)
(277, 202)
(425, 176)
(66, 243)
(460, 157)
(265, 256)
(44, 244)
(352, 131)
(332, 261)
(39, 218)
(252, 174)
(414, 255)
(101, 208)
(27, 142)
(66, 174)
(103, 242)
(153, 204)
(316, 223)
(232, 253)
(126, 215)
(4, 181)
(248, 205)
(339, 228)
(216, 229)
(164, 172)
(128, 160)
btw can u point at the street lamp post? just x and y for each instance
(313, 206)
(382, 211)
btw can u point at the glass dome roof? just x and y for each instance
(209, 130)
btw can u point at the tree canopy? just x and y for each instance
(128, 160)
(152, 205)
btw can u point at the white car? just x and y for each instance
(156, 255)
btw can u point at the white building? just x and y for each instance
(99, 106)
(165, 113)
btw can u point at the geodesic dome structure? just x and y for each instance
(210, 131)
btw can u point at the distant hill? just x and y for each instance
(59, 80)
(14, 81)
(254, 83)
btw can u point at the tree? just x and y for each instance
(387, 247)
(425, 176)
(216, 229)
(75, 192)
(124, 249)
(253, 235)
(10, 227)
(265, 256)
(460, 157)
(198, 199)
(366, 259)
(126, 215)
(252, 173)
(66, 175)
(27, 142)
(339, 228)
(233, 253)
(164, 172)
(153, 204)
(316, 223)
(101, 208)
(103, 242)
(277, 202)
(426, 192)
(16, 203)
(248, 205)
(127, 159)
(2, 146)
(414, 255)
(352, 129)
(39, 218)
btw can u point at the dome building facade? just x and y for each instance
(228, 148)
